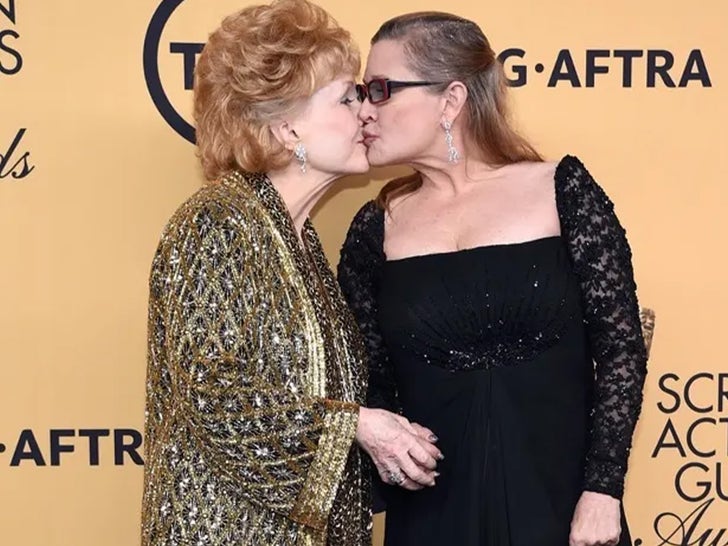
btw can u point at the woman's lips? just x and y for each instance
(369, 138)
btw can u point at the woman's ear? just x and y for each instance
(454, 98)
(284, 133)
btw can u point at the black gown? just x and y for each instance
(493, 348)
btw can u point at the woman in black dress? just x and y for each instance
(496, 294)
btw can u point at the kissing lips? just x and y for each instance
(369, 138)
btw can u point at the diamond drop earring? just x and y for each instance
(452, 152)
(299, 153)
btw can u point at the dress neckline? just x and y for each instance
(480, 248)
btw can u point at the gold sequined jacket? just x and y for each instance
(254, 379)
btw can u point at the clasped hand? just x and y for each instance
(404, 453)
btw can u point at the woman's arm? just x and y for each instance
(603, 264)
(362, 257)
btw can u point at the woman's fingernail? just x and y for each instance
(433, 438)
(436, 474)
(441, 457)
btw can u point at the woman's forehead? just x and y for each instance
(386, 60)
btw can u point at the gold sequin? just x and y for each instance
(255, 375)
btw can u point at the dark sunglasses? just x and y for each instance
(380, 89)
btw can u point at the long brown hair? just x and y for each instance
(444, 47)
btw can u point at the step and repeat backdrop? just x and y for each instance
(96, 153)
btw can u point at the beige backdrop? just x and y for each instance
(104, 170)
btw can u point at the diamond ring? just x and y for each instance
(395, 478)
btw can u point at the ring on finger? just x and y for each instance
(395, 478)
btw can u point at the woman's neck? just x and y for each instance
(299, 191)
(456, 179)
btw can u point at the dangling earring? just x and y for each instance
(452, 152)
(300, 153)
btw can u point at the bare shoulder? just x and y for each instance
(535, 177)
(538, 171)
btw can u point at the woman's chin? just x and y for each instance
(362, 162)
(361, 170)
(358, 167)
(376, 160)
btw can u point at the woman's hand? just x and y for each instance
(596, 521)
(403, 452)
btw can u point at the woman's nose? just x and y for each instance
(367, 111)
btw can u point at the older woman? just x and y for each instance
(487, 285)
(256, 371)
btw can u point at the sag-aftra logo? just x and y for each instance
(566, 68)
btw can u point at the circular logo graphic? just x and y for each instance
(152, 76)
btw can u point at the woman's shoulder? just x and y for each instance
(366, 231)
(554, 170)
(217, 205)
(578, 194)
(567, 176)
(533, 174)
(369, 218)
(570, 171)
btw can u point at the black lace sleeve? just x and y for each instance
(362, 257)
(602, 261)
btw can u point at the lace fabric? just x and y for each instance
(602, 261)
